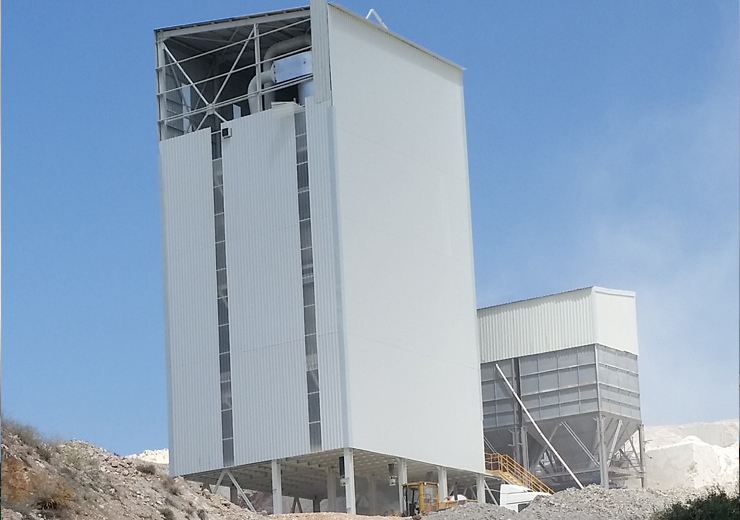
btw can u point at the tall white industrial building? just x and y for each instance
(320, 301)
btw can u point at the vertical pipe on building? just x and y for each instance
(402, 479)
(277, 488)
(480, 488)
(349, 481)
(518, 414)
(603, 462)
(331, 490)
(442, 482)
(525, 448)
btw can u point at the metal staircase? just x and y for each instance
(510, 471)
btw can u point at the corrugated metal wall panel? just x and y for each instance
(324, 225)
(320, 51)
(616, 319)
(538, 325)
(406, 246)
(190, 303)
(265, 287)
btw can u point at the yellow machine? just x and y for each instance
(420, 498)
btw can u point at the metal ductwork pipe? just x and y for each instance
(266, 77)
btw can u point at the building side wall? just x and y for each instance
(616, 319)
(190, 303)
(406, 247)
(268, 364)
(535, 326)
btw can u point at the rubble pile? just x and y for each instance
(597, 503)
(474, 511)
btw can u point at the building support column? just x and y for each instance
(277, 488)
(402, 479)
(641, 441)
(349, 481)
(603, 460)
(480, 488)
(331, 491)
(442, 482)
(372, 487)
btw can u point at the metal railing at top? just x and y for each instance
(514, 473)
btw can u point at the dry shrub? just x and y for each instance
(25, 488)
(202, 514)
(51, 493)
(167, 513)
(148, 469)
(171, 485)
(16, 479)
(27, 434)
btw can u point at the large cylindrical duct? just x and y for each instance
(266, 76)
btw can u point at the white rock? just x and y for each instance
(155, 456)
(692, 455)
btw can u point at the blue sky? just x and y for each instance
(603, 150)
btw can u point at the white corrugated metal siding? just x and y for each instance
(538, 325)
(320, 51)
(616, 319)
(406, 246)
(190, 303)
(265, 288)
(324, 226)
(558, 321)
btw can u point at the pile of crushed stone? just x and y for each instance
(591, 503)
(473, 511)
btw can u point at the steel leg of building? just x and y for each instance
(372, 487)
(316, 504)
(524, 444)
(277, 488)
(349, 486)
(641, 441)
(402, 479)
(603, 462)
(480, 488)
(442, 482)
(331, 491)
(490, 493)
(239, 490)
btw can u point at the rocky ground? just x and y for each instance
(76, 480)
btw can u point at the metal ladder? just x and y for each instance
(509, 470)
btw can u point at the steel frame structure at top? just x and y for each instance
(209, 104)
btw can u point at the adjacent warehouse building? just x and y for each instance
(572, 358)
(319, 283)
